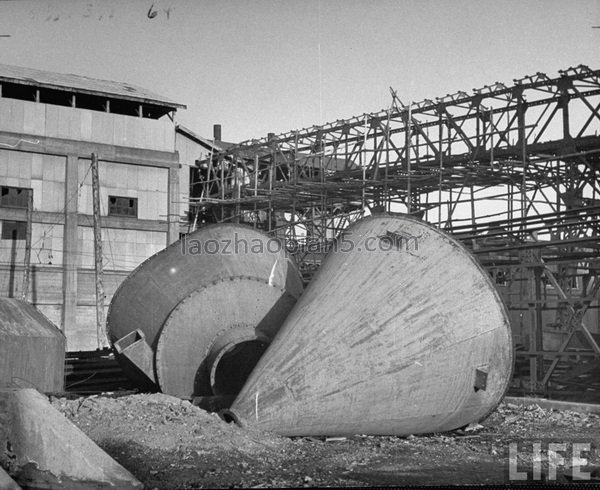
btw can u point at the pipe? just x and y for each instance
(217, 132)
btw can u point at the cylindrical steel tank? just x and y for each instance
(400, 332)
(194, 318)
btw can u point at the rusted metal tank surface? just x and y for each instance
(194, 318)
(32, 348)
(400, 332)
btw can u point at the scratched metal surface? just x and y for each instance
(385, 341)
(182, 299)
(240, 309)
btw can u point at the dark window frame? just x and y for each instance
(13, 230)
(64, 97)
(123, 206)
(7, 193)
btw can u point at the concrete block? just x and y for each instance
(40, 448)
(6, 482)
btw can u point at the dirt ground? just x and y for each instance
(168, 443)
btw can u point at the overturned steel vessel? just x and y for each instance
(194, 319)
(400, 332)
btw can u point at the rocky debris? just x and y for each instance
(170, 443)
(160, 421)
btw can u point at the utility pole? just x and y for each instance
(100, 322)
(408, 162)
(27, 260)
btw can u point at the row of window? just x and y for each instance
(69, 98)
(17, 197)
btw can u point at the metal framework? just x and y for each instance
(512, 171)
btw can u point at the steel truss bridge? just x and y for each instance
(511, 170)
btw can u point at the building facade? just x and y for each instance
(50, 125)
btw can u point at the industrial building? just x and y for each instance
(50, 125)
(511, 171)
(484, 278)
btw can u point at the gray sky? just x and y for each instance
(259, 66)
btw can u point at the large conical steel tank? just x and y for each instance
(400, 332)
(194, 319)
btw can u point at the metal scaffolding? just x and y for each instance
(512, 171)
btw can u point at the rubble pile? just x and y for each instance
(169, 443)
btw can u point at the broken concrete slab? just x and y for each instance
(6, 482)
(40, 448)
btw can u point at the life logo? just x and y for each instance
(551, 461)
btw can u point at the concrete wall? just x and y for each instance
(189, 151)
(19, 116)
(48, 149)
